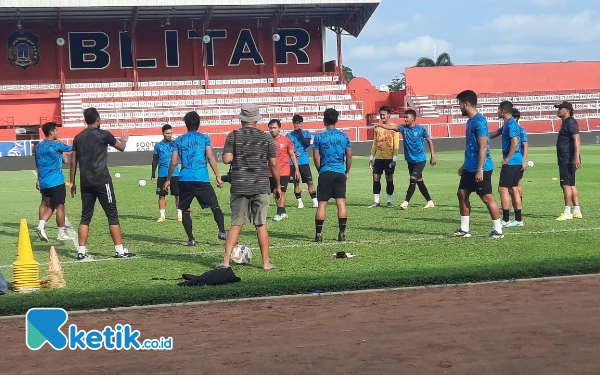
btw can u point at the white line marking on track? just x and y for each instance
(312, 244)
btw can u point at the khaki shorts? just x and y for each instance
(246, 207)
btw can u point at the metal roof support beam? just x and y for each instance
(59, 53)
(278, 18)
(134, 20)
(205, 23)
(350, 17)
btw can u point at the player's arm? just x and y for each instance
(65, 150)
(154, 166)
(227, 157)
(483, 144)
(292, 155)
(121, 143)
(577, 144)
(495, 133)
(514, 143)
(348, 160)
(274, 167)
(373, 150)
(305, 141)
(525, 152)
(172, 165)
(388, 126)
(317, 159)
(73, 172)
(210, 156)
(432, 159)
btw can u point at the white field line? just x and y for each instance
(315, 294)
(312, 244)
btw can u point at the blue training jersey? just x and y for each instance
(165, 150)
(414, 144)
(523, 138)
(477, 127)
(48, 158)
(511, 130)
(191, 148)
(299, 146)
(332, 145)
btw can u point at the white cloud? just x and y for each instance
(367, 51)
(559, 28)
(423, 46)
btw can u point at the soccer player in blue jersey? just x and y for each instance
(524, 150)
(163, 151)
(332, 154)
(414, 137)
(195, 151)
(476, 171)
(49, 158)
(301, 140)
(512, 162)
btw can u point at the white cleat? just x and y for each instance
(300, 204)
(404, 206)
(63, 237)
(429, 204)
(41, 232)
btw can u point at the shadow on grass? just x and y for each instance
(280, 283)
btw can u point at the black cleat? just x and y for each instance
(124, 255)
(190, 243)
(83, 256)
(319, 237)
(342, 236)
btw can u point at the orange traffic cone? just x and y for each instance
(26, 271)
(55, 278)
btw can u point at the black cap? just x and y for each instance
(566, 105)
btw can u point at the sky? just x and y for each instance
(472, 32)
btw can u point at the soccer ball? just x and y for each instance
(241, 254)
(530, 164)
(142, 182)
(117, 175)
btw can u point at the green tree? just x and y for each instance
(398, 84)
(348, 75)
(442, 60)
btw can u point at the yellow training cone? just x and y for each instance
(24, 251)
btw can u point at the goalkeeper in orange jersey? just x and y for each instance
(383, 158)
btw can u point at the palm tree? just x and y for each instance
(442, 60)
(397, 84)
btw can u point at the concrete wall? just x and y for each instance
(358, 149)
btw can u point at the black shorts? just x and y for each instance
(510, 176)
(567, 174)
(202, 191)
(331, 185)
(383, 165)
(173, 187)
(57, 195)
(283, 180)
(305, 174)
(106, 195)
(415, 170)
(468, 182)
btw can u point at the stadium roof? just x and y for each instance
(350, 15)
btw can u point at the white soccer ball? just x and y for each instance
(241, 254)
(117, 175)
(530, 164)
(142, 182)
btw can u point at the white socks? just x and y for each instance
(179, 213)
(390, 198)
(497, 225)
(315, 202)
(61, 231)
(464, 223)
(576, 209)
(376, 198)
(119, 249)
(567, 210)
(42, 224)
(81, 249)
(162, 212)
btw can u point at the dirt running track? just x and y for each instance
(534, 327)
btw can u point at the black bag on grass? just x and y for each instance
(217, 276)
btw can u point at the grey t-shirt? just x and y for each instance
(250, 168)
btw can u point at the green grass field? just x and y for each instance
(393, 247)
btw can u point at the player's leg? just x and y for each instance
(339, 193)
(465, 188)
(206, 196)
(324, 194)
(517, 206)
(376, 187)
(45, 213)
(389, 183)
(412, 184)
(186, 196)
(520, 186)
(108, 201)
(297, 189)
(574, 193)
(281, 214)
(240, 216)
(503, 190)
(484, 190)
(565, 184)
(422, 187)
(162, 199)
(88, 202)
(306, 175)
(259, 205)
(59, 195)
(174, 188)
